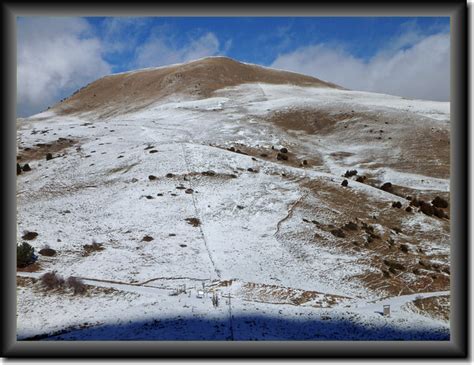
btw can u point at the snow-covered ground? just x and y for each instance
(249, 223)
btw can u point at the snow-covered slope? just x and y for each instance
(299, 255)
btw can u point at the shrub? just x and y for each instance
(51, 280)
(76, 285)
(24, 255)
(88, 249)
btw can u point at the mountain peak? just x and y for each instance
(118, 93)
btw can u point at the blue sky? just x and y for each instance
(396, 55)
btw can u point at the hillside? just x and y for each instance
(229, 178)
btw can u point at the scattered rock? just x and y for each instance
(305, 162)
(351, 226)
(49, 156)
(152, 177)
(233, 176)
(350, 173)
(408, 209)
(396, 205)
(47, 252)
(282, 157)
(147, 238)
(361, 179)
(153, 151)
(283, 150)
(338, 233)
(26, 167)
(415, 202)
(18, 169)
(183, 245)
(263, 155)
(426, 264)
(172, 235)
(208, 173)
(439, 202)
(159, 194)
(345, 182)
(189, 191)
(149, 197)
(394, 265)
(426, 208)
(240, 207)
(169, 175)
(404, 248)
(438, 212)
(134, 180)
(387, 187)
(29, 235)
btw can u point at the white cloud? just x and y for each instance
(411, 66)
(158, 50)
(55, 56)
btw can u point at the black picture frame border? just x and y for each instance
(457, 347)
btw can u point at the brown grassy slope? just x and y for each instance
(135, 90)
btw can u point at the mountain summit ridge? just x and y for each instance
(133, 90)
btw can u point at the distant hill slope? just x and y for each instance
(134, 90)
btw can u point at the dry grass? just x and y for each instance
(133, 91)
(436, 307)
(39, 151)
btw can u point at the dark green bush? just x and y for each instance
(25, 255)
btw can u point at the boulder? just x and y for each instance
(427, 208)
(439, 202)
(47, 252)
(387, 187)
(350, 173)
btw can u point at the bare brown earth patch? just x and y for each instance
(397, 141)
(313, 121)
(399, 255)
(135, 90)
(435, 307)
(283, 295)
(40, 150)
(34, 267)
(274, 155)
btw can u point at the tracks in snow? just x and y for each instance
(218, 273)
